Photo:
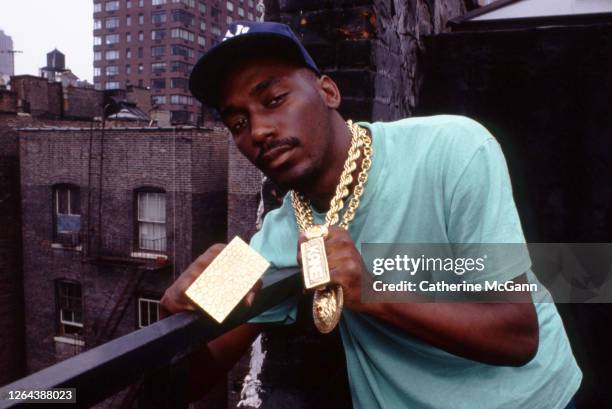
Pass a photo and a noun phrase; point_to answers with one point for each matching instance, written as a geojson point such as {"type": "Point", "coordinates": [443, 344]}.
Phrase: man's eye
{"type": "Point", "coordinates": [239, 126]}
{"type": "Point", "coordinates": [276, 100]}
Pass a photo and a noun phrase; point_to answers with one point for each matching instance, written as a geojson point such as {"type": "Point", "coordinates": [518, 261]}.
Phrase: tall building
{"type": "Point", "coordinates": [155, 43]}
{"type": "Point", "coordinates": [7, 62]}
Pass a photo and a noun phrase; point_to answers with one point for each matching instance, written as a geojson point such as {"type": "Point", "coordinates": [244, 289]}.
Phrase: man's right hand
{"type": "Point", "coordinates": [175, 300]}
{"type": "Point", "coordinates": [209, 363]}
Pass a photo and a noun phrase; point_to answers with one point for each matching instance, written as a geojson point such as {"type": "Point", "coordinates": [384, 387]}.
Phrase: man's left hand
{"type": "Point", "coordinates": [346, 267]}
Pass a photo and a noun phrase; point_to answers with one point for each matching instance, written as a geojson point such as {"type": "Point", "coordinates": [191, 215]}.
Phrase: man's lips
{"type": "Point", "coordinates": [276, 155]}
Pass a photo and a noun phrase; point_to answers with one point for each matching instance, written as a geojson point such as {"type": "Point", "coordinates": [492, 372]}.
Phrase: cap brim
{"type": "Point", "coordinates": [207, 75]}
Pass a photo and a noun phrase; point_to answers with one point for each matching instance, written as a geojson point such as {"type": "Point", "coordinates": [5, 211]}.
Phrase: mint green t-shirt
{"type": "Point", "coordinates": [440, 179]}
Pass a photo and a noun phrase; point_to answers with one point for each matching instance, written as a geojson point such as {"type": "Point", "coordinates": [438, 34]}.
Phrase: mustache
{"type": "Point", "coordinates": [291, 141]}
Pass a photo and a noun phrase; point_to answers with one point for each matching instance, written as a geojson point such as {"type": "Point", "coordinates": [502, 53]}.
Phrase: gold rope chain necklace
{"type": "Point", "coordinates": [328, 300]}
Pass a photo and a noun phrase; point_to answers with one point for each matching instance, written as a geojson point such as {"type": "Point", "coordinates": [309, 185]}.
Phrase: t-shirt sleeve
{"type": "Point", "coordinates": [277, 243]}
{"type": "Point", "coordinates": [482, 220]}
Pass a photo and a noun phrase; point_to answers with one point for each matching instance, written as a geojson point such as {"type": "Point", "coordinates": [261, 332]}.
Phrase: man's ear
{"type": "Point", "coordinates": [329, 91]}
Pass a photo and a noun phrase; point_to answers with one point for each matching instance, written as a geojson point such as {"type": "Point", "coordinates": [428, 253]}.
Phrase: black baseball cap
{"type": "Point", "coordinates": [245, 39]}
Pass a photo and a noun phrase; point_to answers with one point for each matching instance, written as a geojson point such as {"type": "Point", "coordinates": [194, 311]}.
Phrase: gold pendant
{"type": "Point", "coordinates": [327, 308]}
{"type": "Point", "coordinates": [327, 300]}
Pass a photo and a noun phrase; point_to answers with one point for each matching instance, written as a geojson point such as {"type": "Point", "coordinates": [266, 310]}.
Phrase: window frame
{"type": "Point", "coordinates": [62, 292]}
{"type": "Point", "coordinates": [139, 248]}
{"type": "Point", "coordinates": [148, 300]}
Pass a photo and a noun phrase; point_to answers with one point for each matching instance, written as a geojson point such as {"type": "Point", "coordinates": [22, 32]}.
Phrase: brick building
{"type": "Point", "coordinates": [110, 218]}
{"type": "Point", "coordinates": [155, 43]}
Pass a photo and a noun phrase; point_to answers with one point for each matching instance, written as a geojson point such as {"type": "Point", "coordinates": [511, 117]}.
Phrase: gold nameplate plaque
{"type": "Point", "coordinates": [314, 263]}
{"type": "Point", "coordinates": [229, 277]}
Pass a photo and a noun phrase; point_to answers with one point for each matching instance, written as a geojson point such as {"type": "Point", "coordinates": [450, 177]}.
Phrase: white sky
{"type": "Point", "coordinates": [39, 26]}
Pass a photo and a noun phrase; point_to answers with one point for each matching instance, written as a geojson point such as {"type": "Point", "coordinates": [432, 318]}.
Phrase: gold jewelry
{"type": "Point", "coordinates": [328, 300]}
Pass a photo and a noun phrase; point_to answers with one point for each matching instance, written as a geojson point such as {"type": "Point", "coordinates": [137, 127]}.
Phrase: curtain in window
{"type": "Point", "coordinates": [152, 221]}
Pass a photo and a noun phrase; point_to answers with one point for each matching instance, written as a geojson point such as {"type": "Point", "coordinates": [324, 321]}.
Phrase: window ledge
{"type": "Point", "coordinates": [61, 246]}
{"type": "Point", "coordinates": [150, 256]}
{"type": "Point", "coordinates": [68, 340]}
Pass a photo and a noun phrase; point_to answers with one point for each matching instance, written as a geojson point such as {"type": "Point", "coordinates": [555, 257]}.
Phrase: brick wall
{"type": "Point", "coordinates": [12, 355]}
{"type": "Point", "coordinates": [11, 289]}
{"type": "Point", "coordinates": [244, 185]}
{"type": "Point", "coordinates": [82, 102]}
{"type": "Point", "coordinates": [8, 101]}
{"type": "Point", "coordinates": [37, 96]}
{"type": "Point", "coordinates": [370, 48]}
{"type": "Point", "coordinates": [189, 164]}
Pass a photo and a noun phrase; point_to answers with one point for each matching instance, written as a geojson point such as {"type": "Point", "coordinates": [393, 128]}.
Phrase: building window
{"type": "Point", "coordinates": [158, 67]}
{"type": "Point", "coordinates": [182, 33]}
{"type": "Point", "coordinates": [181, 100]}
{"type": "Point", "coordinates": [97, 40]}
{"type": "Point", "coordinates": [229, 19]}
{"type": "Point", "coordinates": [201, 41]}
{"type": "Point", "coordinates": [158, 34]}
{"type": "Point", "coordinates": [230, 6]}
{"type": "Point", "coordinates": [158, 99]}
{"type": "Point", "coordinates": [190, 3]}
{"type": "Point", "coordinates": [140, 52]}
{"type": "Point", "coordinates": [97, 86]}
{"type": "Point", "coordinates": [158, 17]}
{"type": "Point", "coordinates": [180, 66]}
{"type": "Point", "coordinates": [128, 4]}
{"type": "Point", "coordinates": [250, 15]}
{"type": "Point", "coordinates": [251, 4]}
{"type": "Point", "coordinates": [69, 308]}
{"type": "Point", "coordinates": [158, 51]}
{"type": "Point", "coordinates": [240, 11]}
{"type": "Point", "coordinates": [128, 37]}
{"type": "Point", "coordinates": [67, 215]}
{"type": "Point", "coordinates": [182, 50]}
{"type": "Point", "coordinates": [112, 70]}
{"type": "Point", "coordinates": [97, 72]}
{"type": "Point", "coordinates": [97, 24]}
{"type": "Point", "coordinates": [111, 55]}
{"type": "Point", "coordinates": [128, 21]}
{"type": "Point", "coordinates": [140, 36]}
{"type": "Point", "coordinates": [202, 26]}
{"type": "Point", "coordinates": [112, 22]}
{"type": "Point", "coordinates": [216, 30]}
{"type": "Point", "coordinates": [97, 7]}
{"type": "Point", "coordinates": [182, 16]}
{"type": "Point", "coordinates": [179, 83]}
{"type": "Point", "coordinates": [202, 7]}
{"type": "Point", "coordinates": [97, 55]}
{"type": "Point", "coordinates": [159, 2]}
{"type": "Point", "coordinates": [112, 39]}
{"type": "Point", "coordinates": [152, 221]}
{"type": "Point", "coordinates": [128, 69]}
{"type": "Point", "coordinates": [128, 53]}
{"type": "Point", "coordinates": [148, 311]}
{"type": "Point", "coordinates": [158, 83]}
{"type": "Point", "coordinates": [112, 85]}
{"type": "Point", "coordinates": [140, 68]}
{"type": "Point", "coordinates": [111, 6]}
{"type": "Point", "coordinates": [141, 19]}
{"type": "Point", "coordinates": [140, 3]}
{"type": "Point", "coordinates": [181, 117]}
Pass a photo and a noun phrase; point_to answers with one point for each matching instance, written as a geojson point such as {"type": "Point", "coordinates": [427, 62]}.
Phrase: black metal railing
{"type": "Point", "coordinates": [156, 354]}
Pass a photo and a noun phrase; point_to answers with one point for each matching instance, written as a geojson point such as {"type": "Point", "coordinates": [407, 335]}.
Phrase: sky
{"type": "Point", "coordinates": [39, 26]}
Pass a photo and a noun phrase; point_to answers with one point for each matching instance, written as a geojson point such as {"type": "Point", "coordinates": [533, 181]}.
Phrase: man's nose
{"type": "Point", "coordinates": [262, 128]}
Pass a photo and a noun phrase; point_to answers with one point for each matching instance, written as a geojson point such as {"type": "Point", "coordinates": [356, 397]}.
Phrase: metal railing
{"type": "Point", "coordinates": [156, 354]}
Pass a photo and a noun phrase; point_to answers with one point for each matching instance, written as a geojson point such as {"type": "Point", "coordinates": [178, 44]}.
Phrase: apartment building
{"type": "Point", "coordinates": [155, 43]}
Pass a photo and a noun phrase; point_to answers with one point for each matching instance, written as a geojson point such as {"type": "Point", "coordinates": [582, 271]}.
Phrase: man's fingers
{"type": "Point", "coordinates": [250, 297]}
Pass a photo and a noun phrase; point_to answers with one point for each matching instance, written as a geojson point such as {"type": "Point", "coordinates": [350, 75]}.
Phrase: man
{"type": "Point", "coordinates": [431, 180]}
